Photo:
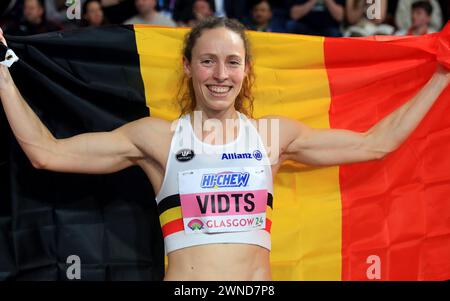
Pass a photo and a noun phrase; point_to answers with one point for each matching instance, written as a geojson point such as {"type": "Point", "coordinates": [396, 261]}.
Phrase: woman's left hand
{"type": "Point", "coordinates": [443, 73]}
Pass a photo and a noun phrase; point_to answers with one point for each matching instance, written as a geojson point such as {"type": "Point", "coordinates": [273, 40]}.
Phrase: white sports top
{"type": "Point", "coordinates": [216, 193]}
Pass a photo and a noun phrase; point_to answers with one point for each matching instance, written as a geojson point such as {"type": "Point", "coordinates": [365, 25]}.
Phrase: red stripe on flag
{"type": "Point", "coordinates": [268, 225]}
{"type": "Point", "coordinates": [397, 208]}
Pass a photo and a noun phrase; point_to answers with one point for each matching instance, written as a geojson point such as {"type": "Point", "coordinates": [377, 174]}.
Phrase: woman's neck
{"type": "Point", "coordinates": [222, 116]}
{"type": "Point", "coordinates": [223, 125]}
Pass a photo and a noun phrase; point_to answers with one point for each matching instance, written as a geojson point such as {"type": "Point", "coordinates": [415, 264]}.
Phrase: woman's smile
{"type": "Point", "coordinates": [219, 91]}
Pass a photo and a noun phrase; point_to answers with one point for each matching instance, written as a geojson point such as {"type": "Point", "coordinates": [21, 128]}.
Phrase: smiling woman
{"type": "Point", "coordinates": [214, 199]}
{"type": "Point", "coordinates": [238, 65]}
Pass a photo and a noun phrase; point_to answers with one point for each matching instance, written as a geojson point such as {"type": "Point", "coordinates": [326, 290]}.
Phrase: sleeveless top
{"type": "Point", "coordinates": [216, 193]}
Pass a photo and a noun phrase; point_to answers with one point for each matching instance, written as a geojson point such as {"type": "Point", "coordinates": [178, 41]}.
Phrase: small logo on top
{"type": "Point", "coordinates": [225, 179]}
{"type": "Point", "coordinates": [185, 155]}
{"type": "Point", "coordinates": [195, 224]}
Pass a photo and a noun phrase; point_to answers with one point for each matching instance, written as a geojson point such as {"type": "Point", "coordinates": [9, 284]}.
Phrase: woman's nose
{"type": "Point", "coordinates": [220, 72]}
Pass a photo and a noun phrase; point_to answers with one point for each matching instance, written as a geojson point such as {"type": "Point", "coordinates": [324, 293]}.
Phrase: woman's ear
{"type": "Point", "coordinates": [186, 67]}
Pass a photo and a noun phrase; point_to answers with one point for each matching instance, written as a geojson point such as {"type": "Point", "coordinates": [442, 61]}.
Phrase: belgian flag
{"type": "Point", "coordinates": [387, 219]}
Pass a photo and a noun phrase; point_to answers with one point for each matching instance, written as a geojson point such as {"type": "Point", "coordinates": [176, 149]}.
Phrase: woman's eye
{"type": "Point", "coordinates": [234, 64]}
{"type": "Point", "coordinates": [207, 62]}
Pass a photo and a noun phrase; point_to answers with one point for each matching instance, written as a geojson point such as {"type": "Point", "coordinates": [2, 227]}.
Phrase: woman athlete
{"type": "Point", "coordinates": [213, 194]}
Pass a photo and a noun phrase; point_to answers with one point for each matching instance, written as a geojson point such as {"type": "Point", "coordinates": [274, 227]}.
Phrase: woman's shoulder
{"type": "Point", "coordinates": [154, 126]}
{"type": "Point", "coordinates": [272, 118]}
{"type": "Point", "coordinates": [282, 125]}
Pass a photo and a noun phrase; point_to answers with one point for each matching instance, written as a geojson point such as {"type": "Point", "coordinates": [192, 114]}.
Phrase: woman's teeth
{"type": "Point", "coordinates": [219, 89]}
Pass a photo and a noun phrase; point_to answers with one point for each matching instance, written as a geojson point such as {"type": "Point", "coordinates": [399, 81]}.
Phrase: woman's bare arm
{"type": "Point", "coordinates": [103, 152]}
{"type": "Point", "coordinates": [339, 146]}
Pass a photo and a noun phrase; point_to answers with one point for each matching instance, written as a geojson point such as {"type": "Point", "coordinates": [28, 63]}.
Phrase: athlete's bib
{"type": "Point", "coordinates": [218, 200]}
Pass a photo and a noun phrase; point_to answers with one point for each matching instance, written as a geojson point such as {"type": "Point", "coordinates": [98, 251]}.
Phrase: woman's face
{"type": "Point", "coordinates": [217, 69]}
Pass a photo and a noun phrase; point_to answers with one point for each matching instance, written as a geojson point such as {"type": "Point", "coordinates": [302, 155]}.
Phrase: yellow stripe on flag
{"type": "Point", "coordinates": [306, 231]}
{"type": "Point", "coordinates": [161, 66]}
{"type": "Point", "coordinates": [291, 80]}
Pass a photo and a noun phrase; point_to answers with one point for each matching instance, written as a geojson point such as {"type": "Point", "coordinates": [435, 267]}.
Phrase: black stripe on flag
{"type": "Point", "coordinates": [77, 81]}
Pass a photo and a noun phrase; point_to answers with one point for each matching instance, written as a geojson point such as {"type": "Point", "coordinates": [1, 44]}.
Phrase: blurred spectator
{"type": "Point", "coordinates": [93, 13]}
{"type": "Point", "coordinates": [56, 12]}
{"type": "Point", "coordinates": [421, 13]}
{"type": "Point", "coordinates": [106, 3]}
{"type": "Point", "coordinates": [166, 7]}
{"type": "Point", "coordinates": [147, 14]}
{"type": "Point", "coordinates": [33, 20]}
{"type": "Point", "coordinates": [118, 11]}
{"type": "Point", "coordinates": [201, 10]}
{"type": "Point", "coordinates": [183, 11]}
{"type": "Point", "coordinates": [233, 9]}
{"type": "Point", "coordinates": [403, 15]}
{"type": "Point", "coordinates": [316, 17]}
{"type": "Point", "coordinates": [261, 18]}
{"type": "Point", "coordinates": [364, 25]}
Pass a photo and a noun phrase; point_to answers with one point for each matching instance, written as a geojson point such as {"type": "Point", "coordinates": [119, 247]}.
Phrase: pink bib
{"type": "Point", "coordinates": [218, 200]}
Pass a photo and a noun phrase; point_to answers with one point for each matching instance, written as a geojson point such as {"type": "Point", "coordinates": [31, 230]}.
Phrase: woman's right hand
{"type": "Point", "coordinates": [5, 77]}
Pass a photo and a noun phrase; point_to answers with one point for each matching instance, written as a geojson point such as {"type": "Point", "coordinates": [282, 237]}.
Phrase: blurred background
{"type": "Point", "coordinates": [333, 18]}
